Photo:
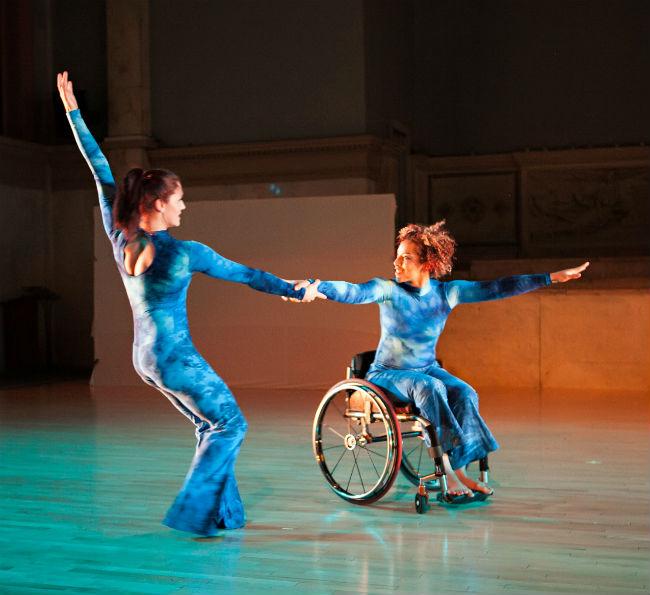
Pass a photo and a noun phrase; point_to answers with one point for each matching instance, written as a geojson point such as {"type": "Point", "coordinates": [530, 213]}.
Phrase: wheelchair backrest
{"type": "Point", "coordinates": [360, 364]}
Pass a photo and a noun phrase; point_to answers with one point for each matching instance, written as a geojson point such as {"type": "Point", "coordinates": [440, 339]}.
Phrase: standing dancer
{"type": "Point", "coordinates": [156, 270]}
{"type": "Point", "coordinates": [413, 309]}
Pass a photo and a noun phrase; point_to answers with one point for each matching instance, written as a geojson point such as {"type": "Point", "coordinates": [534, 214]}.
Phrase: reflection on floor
{"type": "Point", "coordinates": [86, 478]}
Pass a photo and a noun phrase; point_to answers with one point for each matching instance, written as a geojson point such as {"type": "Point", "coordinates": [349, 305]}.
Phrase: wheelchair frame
{"type": "Point", "coordinates": [353, 418]}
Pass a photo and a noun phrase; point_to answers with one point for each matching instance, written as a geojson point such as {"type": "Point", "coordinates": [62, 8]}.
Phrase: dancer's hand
{"type": "Point", "coordinates": [569, 274]}
{"type": "Point", "coordinates": [66, 92]}
{"type": "Point", "coordinates": [311, 291]}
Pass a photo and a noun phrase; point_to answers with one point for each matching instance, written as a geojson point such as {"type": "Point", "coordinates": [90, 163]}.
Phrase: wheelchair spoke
{"type": "Point", "coordinates": [410, 452]}
{"type": "Point", "coordinates": [377, 454]}
{"type": "Point", "coordinates": [337, 462]}
{"type": "Point", "coordinates": [356, 464]}
{"type": "Point", "coordinates": [415, 458]}
{"type": "Point", "coordinates": [372, 462]}
{"type": "Point", "coordinates": [347, 487]}
{"type": "Point", "coordinates": [331, 429]}
{"type": "Point", "coordinates": [419, 460]}
{"type": "Point", "coordinates": [331, 447]}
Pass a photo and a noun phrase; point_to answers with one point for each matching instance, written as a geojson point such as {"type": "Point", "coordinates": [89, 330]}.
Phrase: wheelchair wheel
{"type": "Point", "coordinates": [416, 460]}
{"type": "Point", "coordinates": [356, 441]}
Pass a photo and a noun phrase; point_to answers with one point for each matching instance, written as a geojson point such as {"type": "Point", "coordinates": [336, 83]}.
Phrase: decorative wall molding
{"type": "Point", "coordinates": [362, 156]}
{"type": "Point", "coordinates": [536, 203]}
{"type": "Point", "coordinates": [591, 202]}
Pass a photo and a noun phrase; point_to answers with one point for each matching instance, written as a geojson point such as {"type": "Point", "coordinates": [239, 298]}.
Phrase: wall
{"type": "Point", "coordinates": [245, 71]}
{"type": "Point", "coordinates": [250, 338]}
{"type": "Point", "coordinates": [561, 338]}
{"type": "Point", "coordinates": [24, 229]}
{"type": "Point", "coordinates": [506, 75]}
{"type": "Point", "coordinates": [583, 203]}
{"type": "Point", "coordinates": [464, 77]}
{"type": "Point", "coordinates": [78, 45]}
{"type": "Point", "coordinates": [389, 66]}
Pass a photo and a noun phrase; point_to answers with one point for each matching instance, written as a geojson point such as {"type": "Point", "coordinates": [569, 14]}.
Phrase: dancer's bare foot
{"type": "Point", "coordinates": [475, 486]}
{"type": "Point", "coordinates": [455, 486]}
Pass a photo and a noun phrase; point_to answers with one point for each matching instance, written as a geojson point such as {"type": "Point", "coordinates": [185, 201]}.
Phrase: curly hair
{"type": "Point", "coordinates": [435, 246]}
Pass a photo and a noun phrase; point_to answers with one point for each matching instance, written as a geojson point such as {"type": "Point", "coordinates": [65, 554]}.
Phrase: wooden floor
{"type": "Point", "coordinates": [86, 477]}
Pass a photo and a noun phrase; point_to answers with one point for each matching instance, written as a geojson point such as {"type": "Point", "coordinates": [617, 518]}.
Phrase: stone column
{"type": "Point", "coordinates": [129, 105]}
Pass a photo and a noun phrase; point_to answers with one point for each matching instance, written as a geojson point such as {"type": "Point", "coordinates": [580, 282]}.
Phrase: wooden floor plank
{"type": "Point", "coordinates": [86, 477]}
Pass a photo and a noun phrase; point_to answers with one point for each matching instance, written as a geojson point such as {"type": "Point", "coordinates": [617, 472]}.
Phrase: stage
{"type": "Point", "coordinates": [87, 475]}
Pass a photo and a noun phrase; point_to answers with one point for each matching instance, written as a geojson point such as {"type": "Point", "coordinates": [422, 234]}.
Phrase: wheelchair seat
{"type": "Point", "coordinates": [358, 368]}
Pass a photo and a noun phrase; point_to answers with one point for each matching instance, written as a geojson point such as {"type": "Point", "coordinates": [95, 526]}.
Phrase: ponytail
{"type": "Point", "coordinates": [137, 193]}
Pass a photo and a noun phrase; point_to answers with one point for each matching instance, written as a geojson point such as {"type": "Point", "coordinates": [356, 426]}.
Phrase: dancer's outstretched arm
{"type": "Point", "coordinates": [204, 259]}
{"type": "Point", "coordinates": [90, 150]}
{"type": "Point", "coordinates": [465, 292]}
{"type": "Point", "coordinates": [373, 291]}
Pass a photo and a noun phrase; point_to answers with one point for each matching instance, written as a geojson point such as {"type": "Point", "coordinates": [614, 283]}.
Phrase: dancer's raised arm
{"type": "Point", "coordinates": [90, 150]}
{"type": "Point", "coordinates": [466, 292]}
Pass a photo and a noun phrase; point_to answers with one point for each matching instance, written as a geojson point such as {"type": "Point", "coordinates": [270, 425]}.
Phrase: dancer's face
{"type": "Point", "coordinates": [407, 265]}
{"type": "Point", "coordinates": [173, 207]}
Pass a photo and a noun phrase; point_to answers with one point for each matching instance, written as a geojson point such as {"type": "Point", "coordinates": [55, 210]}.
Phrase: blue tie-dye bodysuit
{"type": "Point", "coordinates": [164, 356]}
{"type": "Point", "coordinates": [412, 320]}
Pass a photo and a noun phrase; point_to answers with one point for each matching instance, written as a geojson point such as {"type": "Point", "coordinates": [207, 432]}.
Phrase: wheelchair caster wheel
{"type": "Point", "coordinates": [421, 503]}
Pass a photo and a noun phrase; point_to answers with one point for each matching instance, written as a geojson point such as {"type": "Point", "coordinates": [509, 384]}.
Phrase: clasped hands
{"type": "Point", "coordinates": [311, 290]}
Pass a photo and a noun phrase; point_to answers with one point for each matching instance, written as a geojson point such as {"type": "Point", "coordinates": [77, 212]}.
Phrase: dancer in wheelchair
{"type": "Point", "coordinates": [413, 308]}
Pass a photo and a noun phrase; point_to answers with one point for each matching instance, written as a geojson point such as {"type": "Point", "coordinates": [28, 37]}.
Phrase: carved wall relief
{"type": "Point", "coordinates": [479, 209]}
{"type": "Point", "coordinates": [591, 209]}
{"type": "Point", "coordinates": [577, 202]}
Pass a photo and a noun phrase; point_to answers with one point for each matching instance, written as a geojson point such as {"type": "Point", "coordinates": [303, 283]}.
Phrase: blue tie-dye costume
{"type": "Point", "coordinates": [412, 320]}
{"type": "Point", "coordinates": [164, 356]}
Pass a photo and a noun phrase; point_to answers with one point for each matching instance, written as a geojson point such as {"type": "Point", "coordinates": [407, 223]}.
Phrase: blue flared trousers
{"type": "Point", "coordinates": [450, 404]}
{"type": "Point", "coordinates": [209, 499]}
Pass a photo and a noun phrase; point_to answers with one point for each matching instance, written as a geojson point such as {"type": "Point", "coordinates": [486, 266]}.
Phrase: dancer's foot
{"type": "Point", "coordinates": [478, 488]}
{"type": "Point", "coordinates": [455, 487]}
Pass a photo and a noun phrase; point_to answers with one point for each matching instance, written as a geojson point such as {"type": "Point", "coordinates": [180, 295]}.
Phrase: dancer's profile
{"type": "Point", "coordinates": [156, 270]}
{"type": "Point", "coordinates": [414, 307]}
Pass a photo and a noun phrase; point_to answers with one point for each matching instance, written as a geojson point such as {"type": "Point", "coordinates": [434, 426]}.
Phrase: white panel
{"type": "Point", "coordinates": [252, 339]}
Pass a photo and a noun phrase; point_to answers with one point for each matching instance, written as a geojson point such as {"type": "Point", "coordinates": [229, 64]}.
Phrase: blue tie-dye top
{"type": "Point", "coordinates": [158, 296]}
{"type": "Point", "coordinates": [412, 318]}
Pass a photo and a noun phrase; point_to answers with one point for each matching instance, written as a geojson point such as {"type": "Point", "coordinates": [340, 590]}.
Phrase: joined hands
{"type": "Point", "coordinates": [311, 291]}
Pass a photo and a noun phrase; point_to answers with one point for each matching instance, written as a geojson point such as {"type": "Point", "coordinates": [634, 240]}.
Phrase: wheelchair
{"type": "Point", "coordinates": [363, 437]}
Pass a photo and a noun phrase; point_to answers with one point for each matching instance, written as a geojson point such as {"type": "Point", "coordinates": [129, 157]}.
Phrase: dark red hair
{"type": "Point", "coordinates": [435, 246]}
{"type": "Point", "coordinates": [138, 192]}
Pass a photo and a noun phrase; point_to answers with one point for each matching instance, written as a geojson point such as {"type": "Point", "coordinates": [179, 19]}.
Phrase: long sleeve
{"type": "Point", "coordinates": [204, 259]}
{"type": "Point", "coordinates": [98, 166]}
{"type": "Point", "coordinates": [375, 290]}
{"type": "Point", "coordinates": [465, 292]}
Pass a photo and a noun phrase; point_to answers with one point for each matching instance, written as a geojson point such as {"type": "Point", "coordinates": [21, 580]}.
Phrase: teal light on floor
{"type": "Point", "coordinates": [85, 480]}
